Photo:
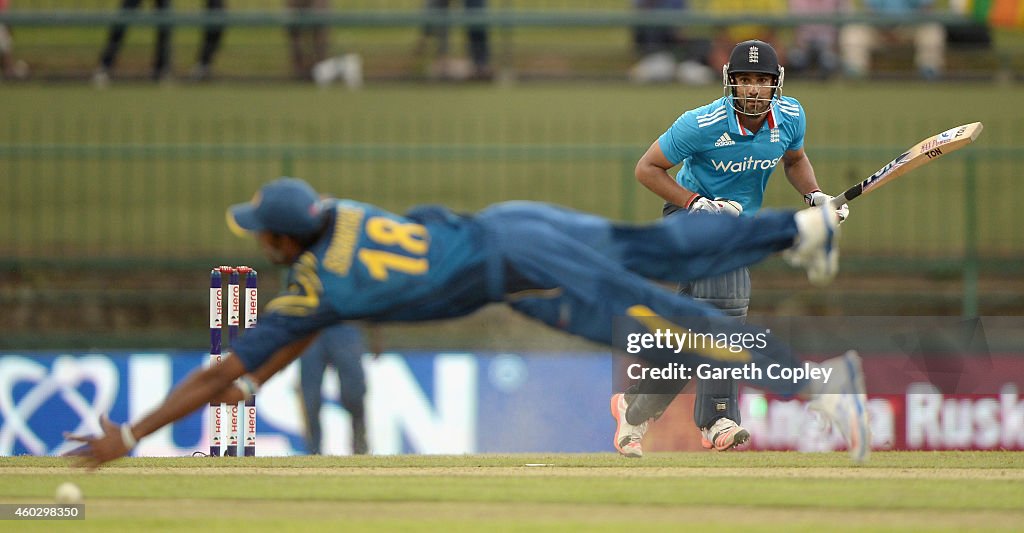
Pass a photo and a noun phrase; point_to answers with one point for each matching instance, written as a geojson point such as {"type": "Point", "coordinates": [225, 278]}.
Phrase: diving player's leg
{"type": "Point", "coordinates": [687, 247]}
{"type": "Point", "coordinates": [540, 257]}
{"type": "Point", "coordinates": [694, 246]}
{"type": "Point", "coordinates": [601, 301]}
{"type": "Point", "coordinates": [596, 300]}
{"type": "Point", "coordinates": [598, 296]}
{"type": "Point", "coordinates": [631, 304]}
{"type": "Point", "coordinates": [680, 248]}
{"type": "Point", "coordinates": [566, 285]}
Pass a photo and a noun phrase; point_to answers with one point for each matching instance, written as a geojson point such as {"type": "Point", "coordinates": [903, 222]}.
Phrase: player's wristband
{"type": "Point", "coordinates": [248, 386]}
{"type": "Point", "coordinates": [127, 437]}
{"type": "Point", "coordinates": [690, 201]}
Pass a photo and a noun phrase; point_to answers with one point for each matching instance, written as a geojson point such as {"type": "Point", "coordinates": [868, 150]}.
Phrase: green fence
{"type": "Point", "coordinates": [145, 174]}
{"type": "Point", "coordinates": [164, 202]}
{"type": "Point", "coordinates": [112, 202]}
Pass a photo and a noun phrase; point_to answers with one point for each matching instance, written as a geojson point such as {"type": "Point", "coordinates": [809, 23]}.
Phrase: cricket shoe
{"type": "Point", "coordinates": [627, 436]}
{"type": "Point", "coordinates": [843, 402]}
{"type": "Point", "coordinates": [723, 435]}
{"type": "Point", "coordinates": [816, 246]}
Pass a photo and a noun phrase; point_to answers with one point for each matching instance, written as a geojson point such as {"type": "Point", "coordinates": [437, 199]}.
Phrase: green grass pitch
{"type": "Point", "coordinates": [751, 491]}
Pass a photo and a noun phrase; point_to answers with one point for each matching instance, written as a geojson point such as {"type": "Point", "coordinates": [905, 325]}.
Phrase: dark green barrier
{"type": "Point", "coordinates": [112, 202]}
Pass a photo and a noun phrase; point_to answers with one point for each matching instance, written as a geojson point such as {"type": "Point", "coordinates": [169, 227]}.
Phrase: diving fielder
{"type": "Point", "coordinates": [351, 260]}
{"type": "Point", "coordinates": [728, 150]}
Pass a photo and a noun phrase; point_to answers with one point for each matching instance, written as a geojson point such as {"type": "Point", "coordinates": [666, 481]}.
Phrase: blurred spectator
{"type": "Point", "coordinates": [348, 68]}
{"type": "Point", "coordinates": [309, 44]}
{"type": "Point", "coordinates": [477, 42]}
{"type": "Point", "coordinates": [660, 48]}
{"type": "Point", "coordinates": [727, 37]}
{"type": "Point", "coordinates": [815, 45]}
{"type": "Point", "coordinates": [653, 39]}
{"type": "Point", "coordinates": [161, 54]}
{"type": "Point", "coordinates": [9, 67]}
{"type": "Point", "coordinates": [342, 347]}
{"type": "Point", "coordinates": [857, 41]}
{"type": "Point", "coordinates": [311, 55]}
{"type": "Point", "coordinates": [211, 43]}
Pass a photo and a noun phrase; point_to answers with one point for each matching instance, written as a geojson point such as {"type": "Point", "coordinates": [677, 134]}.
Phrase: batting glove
{"type": "Point", "coordinates": [816, 198]}
{"type": "Point", "coordinates": [718, 205]}
{"type": "Point", "coordinates": [728, 207]}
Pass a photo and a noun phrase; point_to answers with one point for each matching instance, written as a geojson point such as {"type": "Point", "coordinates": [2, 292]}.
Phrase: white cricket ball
{"type": "Point", "coordinates": [68, 492]}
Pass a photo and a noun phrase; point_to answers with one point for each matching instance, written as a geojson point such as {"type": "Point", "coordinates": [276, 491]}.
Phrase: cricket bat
{"type": "Point", "coordinates": [923, 152]}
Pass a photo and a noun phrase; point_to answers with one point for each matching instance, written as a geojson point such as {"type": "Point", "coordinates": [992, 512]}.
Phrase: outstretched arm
{"type": "Point", "coordinates": [198, 389]}
{"type": "Point", "coordinates": [215, 382]}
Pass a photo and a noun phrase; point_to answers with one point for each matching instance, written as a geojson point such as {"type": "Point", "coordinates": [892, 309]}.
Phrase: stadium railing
{"type": "Point", "coordinates": [495, 18]}
{"type": "Point", "coordinates": [509, 48]}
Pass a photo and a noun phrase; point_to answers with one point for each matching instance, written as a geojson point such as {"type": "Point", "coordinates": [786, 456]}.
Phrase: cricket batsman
{"type": "Point", "coordinates": [728, 149]}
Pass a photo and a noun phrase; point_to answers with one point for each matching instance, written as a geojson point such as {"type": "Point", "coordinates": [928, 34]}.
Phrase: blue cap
{"type": "Point", "coordinates": [287, 206]}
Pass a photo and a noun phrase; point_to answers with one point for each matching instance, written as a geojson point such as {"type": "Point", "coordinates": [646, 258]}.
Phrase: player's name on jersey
{"type": "Point", "coordinates": [749, 371]}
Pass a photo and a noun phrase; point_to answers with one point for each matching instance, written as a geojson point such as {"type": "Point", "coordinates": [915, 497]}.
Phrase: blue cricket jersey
{"type": "Point", "coordinates": [722, 159]}
{"type": "Point", "coordinates": [373, 264]}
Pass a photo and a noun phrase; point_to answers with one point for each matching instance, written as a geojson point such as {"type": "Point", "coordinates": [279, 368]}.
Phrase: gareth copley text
{"type": "Point", "coordinates": [749, 371]}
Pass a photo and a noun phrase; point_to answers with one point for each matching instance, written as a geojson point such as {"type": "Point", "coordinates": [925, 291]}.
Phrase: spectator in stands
{"type": "Point", "coordinates": [652, 39]}
{"type": "Point", "coordinates": [659, 48]}
{"type": "Point", "coordinates": [342, 347]}
{"type": "Point", "coordinates": [161, 54]}
{"type": "Point", "coordinates": [477, 42]}
{"type": "Point", "coordinates": [309, 44]}
{"type": "Point", "coordinates": [857, 41]}
{"type": "Point", "coordinates": [815, 45]}
{"type": "Point", "coordinates": [211, 43]}
{"type": "Point", "coordinates": [727, 37]}
{"type": "Point", "coordinates": [9, 67]}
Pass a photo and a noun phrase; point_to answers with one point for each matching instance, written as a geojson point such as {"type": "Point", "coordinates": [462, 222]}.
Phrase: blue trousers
{"type": "Point", "coordinates": [588, 276]}
{"type": "Point", "coordinates": [342, 347]}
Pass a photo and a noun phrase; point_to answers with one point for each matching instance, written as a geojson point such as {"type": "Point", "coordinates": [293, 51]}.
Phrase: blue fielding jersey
{"type": "Point", "coordinates": [722, 159]}
{"type": "Point", "coordinates": [373, 264]}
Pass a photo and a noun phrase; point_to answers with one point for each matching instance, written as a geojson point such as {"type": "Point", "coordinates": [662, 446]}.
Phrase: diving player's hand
{"type": "Point", "coordinates": [817, 198]}
{"type": "Point", "coordinates": [718, 205]}
{"type": "Point", "coordinates": [115, 442]}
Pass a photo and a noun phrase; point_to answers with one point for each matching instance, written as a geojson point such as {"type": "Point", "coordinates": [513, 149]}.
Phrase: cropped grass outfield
{"type": "Point", "coordinates": [762, 491]}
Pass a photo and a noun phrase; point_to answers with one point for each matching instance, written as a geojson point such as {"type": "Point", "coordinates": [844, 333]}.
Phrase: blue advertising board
{"type": "Point", "coordinates": [418, 402]}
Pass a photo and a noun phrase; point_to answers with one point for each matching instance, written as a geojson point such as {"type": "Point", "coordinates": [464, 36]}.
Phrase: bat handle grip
{"type": "Point", "coordinates": [838, 201]}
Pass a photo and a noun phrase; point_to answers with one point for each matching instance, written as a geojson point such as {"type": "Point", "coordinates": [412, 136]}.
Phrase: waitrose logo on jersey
{"type": "Point", "coordinates": [744, 165]}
